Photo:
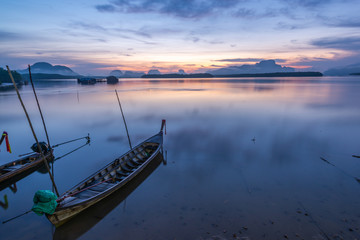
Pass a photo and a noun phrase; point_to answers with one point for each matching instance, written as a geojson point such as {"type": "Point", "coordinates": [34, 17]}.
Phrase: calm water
{"type": "Point", "coordinates": [243, 158]}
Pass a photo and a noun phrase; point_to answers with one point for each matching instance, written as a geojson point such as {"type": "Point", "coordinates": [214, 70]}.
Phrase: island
{"type": "Point", "coordinates": [176, 75]}
{"type": "Point", "coordinates": [243, 75]}
{"type": "Point", "coordinates": [276, 74]}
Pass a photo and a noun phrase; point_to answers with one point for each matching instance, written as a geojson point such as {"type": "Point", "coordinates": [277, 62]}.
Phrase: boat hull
{"type": "Point", "coordinates": [10, 171]}
{"type": "Point", "coordinates": [64, 214]}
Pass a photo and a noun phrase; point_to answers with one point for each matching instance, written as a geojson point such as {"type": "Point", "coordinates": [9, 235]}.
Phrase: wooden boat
{"type": "Point", "coordinates": [107, 180]}
{"type": "Point", "coordinates": [13, 169]}
{"type": "Point", "coordinates": [84, 221]}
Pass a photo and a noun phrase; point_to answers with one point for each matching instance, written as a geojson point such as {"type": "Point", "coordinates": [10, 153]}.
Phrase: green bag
{"type": "Point", "coordinates": [44, 202]}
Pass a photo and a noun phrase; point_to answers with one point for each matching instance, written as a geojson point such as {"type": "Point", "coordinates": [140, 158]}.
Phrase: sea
{"type": "Point", "coordinates": [243, 158]}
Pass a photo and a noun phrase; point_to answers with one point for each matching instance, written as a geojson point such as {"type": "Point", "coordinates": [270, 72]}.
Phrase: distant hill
{"type": "Point", "coordinates": [177, 75]}
{"type": "Point", "coordinates": [278, 74]}
{"type": "Point", "coordinates": [47, 68]}
{"type": "Point", "coordinates": [5, 78]}
{"type": "Point", "coordinates": [266, 66]}
{"type": "Point", "coordinates": [131, 74]}
{"type": "Point", "coordinates": [38, 76]}
{"type": "Point", "coordinates": [355, 73]}
{"type": "Point", "coordinates": [126, 74]}
{"type": "Point", "coordinates": [343, 71]}
{"type": "Point", "coordinates": [116, 73]}
{"type": "Point", "coordinates": [208, 75]}
{"type": "Point", "coordinates": [153, 72]}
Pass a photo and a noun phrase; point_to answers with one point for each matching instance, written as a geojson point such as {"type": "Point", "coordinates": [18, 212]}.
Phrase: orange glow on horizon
{"type": "Point", "coordinates": [171, 62]}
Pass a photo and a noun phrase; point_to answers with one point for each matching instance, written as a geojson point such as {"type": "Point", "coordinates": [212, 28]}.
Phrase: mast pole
{"type": "Point", "coordinates": [127, 132]}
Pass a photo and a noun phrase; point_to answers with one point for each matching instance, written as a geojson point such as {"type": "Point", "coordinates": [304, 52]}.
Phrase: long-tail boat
{"type": "Point", "coordinates": [11, 170]}
{"type": "Point", "coordinates": [107, 180]}
{"type": "Point", "coordinates": [86, 220]}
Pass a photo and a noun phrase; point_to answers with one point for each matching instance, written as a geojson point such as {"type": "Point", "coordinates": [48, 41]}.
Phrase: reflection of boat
{"type": "Point", "coordinates": [85, 220]}
{"type": "Point", "coordinates": [107, 180]}
{"type": "Point", "coordinates": [14, 171]}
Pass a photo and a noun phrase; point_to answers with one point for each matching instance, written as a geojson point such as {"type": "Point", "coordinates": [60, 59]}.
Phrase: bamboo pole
{"type": "Point", "coordinates": [33, 132]}
{"type": "Point", "coordinates": [37, 101]}
{"type": "Point", "coordinates": [127, 132]}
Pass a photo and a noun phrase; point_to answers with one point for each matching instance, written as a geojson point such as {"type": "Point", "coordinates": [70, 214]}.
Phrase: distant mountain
{"type": "Point", "coordinates": [153, 71]}
{"type": "Point", "coordinates": [276, 74]}
{"type": "Point", "coordinates": [181, 71]}
{"type": "Point", "coordinates": [47, 68]}
{"type": "Point", "coordinates": [45, 76]}
{"type": "Point", "coordinates": [116, 73]}
{"type": "Point", "coordinates": [266, 66]}
{"type": "Point", "coordinates": [347, 70]}
{"type": "Point", "coordinates": [131, 74]}
{"type": "Point", "coordinates": [177, 75]}
{"type": "Point", "coordinates": [5, 78]}
{"type": "Point", "coordinates": [126, 74]}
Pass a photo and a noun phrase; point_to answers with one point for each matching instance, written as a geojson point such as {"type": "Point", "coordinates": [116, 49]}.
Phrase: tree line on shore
{"type": "Point", "coordinates": [5, 78]}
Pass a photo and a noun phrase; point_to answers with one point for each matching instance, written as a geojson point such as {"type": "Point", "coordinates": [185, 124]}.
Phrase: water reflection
{"type": "Point", "coordinates": [40, 168]}
{"type": "Point", "coordinates": [218, 182]}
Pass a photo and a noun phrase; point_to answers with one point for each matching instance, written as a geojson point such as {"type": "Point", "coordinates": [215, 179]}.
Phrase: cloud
{"type": "Point", "coordinates": [241, 60]}
{"type": "Point", "coordinates": [6, 36]}
{"type": "Point", "coordinates": [138, 33]}
{"type": "Point", "coordinates": [87, 26]}
{"type": "Point", "coordinates": [341, 43]}
{"type": "Point", "coordinates": [183, 9]}
{"type": "Point", "coordinates": [245, 13]}
{"type": "Point", "coordinates": [309, 3]}
{"type": "Point", "coordinates": [118, 32]}
{"type": "Point", "coordinates": [342, 71]}
{"type": "Point", "coordinates": [105, 8]}
{"type": "Point", "coordinates": [258, 13]}
{"type": "Point", "coordinates": [348, 23]}
{"type": "Point", "coordinates": [287, 26]}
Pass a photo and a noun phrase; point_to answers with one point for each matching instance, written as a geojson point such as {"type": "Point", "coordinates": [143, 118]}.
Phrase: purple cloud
{"type": "Point", "coordinates": [343, 43]}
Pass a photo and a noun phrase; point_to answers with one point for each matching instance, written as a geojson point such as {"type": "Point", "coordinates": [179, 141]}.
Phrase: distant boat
{"type": "Point", "coordinates": [107, 180]}
{"type": "Point", "coordinates": [13, 169]}
{"type": "Point", "coordinates": [112, 80]}
{"type": "Point", "coordinates": [86, 80]}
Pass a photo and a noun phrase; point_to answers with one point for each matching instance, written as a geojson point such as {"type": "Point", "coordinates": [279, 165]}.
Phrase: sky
{"type": "Point", "coordinates": [98, 36]}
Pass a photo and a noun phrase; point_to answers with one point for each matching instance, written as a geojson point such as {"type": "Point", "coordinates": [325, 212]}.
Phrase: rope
{"type": "Point", "coordinates": [87, 137]}
{"type": "Point", "coordinates": [71, 151]}
{"type": "Point", "coordinates": [16, 217]}
{"type": "Point", "coordinates": [73, 194]}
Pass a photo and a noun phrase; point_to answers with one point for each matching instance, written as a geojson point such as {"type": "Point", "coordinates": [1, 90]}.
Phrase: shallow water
{"type": "Point", "coordinates": [243, 157]}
